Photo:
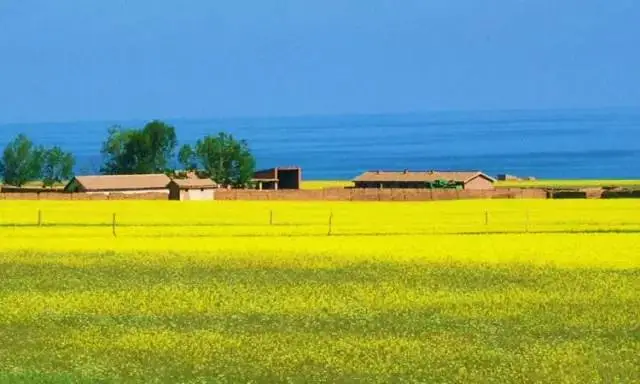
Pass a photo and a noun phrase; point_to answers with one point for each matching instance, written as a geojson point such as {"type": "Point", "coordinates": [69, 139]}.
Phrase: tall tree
{"type": "Point", "coordinates": [136, 151]}
{"type": "Point", "coordinates": [187, 158]}
{"type": "Point", "coordinates": [21, 161]}
{"type": "Point", "coordinates": [57, 166]}
{"type": "Point", "coordinates": [161, 140]}
{"type": "Point", "coordinates": [226, 160]}
{"type": "Point", "coordinates": [113, 150]}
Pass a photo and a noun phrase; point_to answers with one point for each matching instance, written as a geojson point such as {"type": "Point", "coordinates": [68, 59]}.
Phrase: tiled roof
{"type": "Point", "coordinates": [122, 182]}
{"type": "Point", "coordinates": [419, 176]}
{"type": "Point", "coordinates": [195, 183]}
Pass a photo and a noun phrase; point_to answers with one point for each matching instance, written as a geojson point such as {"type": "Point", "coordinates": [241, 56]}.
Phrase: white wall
{"type": "Point", "coordinates": [197, 194]}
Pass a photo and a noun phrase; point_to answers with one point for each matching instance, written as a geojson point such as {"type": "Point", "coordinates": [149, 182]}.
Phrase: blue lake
{"type": "Point", "coordinates": [546, 144]}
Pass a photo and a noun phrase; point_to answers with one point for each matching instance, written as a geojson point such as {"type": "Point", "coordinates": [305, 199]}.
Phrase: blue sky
{"type": "Point", "coordinates": [70, 60]}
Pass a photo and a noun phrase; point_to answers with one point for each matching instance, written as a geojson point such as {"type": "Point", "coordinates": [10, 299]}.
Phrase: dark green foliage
{"type": "Point", "coordinates": [21, 161]}
{"type": "Point", "coordinates": [161, 141]}
{"type": "Point", "coordinates": [445, 184]}
{"type": "Point", "coordinates": [57, 166]}
{"type": "Point", "coordinates": [138, 151]}
{"type": "Point", "coordinates": [187, 158]}
{"type": "Point", "coordinates": [225, 160]}
{"type": "Point", "coordinates": [113, 149]}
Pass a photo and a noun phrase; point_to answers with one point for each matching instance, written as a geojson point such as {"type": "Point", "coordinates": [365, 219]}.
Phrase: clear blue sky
{"type": "Point", "coordinates": [69, 60]}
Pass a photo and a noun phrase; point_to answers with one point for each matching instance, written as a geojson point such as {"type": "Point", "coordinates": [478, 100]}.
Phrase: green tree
{"type": "Point", "coordinates": [57, 166]}
{"type": "Point", "coordinates": [226, 160]}
{"type": "Point", "coordinates": [136, 151]}
{"type": "Point", "coordinates": [113, 150]}
{"type": "Point", "coordinates": [161, 140]}
{"type": "Point", "coordinates": [187, 158]}
{"type": "Point", "coordinates": [21, 161]}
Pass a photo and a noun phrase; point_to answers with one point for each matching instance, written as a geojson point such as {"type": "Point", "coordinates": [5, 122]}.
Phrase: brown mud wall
{"type": "Point", "coordinates": [346, 194]}
{"type": "Point", "coordinates": [81, 196]}
{"type": "Point", "coordinates": [355, 194]}
{"type": "Point", "coordinates": [621, 194]}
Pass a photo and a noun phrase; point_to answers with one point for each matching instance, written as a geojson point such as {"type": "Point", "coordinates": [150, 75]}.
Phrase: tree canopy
{"type": "Point", "coordinates": [187, 158]}
{"type": "Point", "coordinates": [138, 151]}
{"type": "Point", "coordinates": [57, 166]}
{"type": "Point", "coordinates": [22, 162]}
{"type": "Point", "coordinates": [224, 159]}
{"type": "Point", "coordinates": [151, 149]}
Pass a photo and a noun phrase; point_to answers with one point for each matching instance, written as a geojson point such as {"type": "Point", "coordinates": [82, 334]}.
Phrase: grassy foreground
{"type": "Point", "coordinates": [79, 305]}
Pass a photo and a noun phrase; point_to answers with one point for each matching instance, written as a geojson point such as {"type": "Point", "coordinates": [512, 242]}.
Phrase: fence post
{"type": "Point", "coordinates": [39, 217]}
{"type": "Point", "coordinates": [330, 223]}
{"type": "Point", "coordinates": [486, 217]}
{"type": "Point", "coordinates": [271, 217]}
{"type": "Point", "coordinates": [113, 225]}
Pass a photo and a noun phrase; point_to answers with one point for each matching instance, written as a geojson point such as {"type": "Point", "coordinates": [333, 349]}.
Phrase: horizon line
{"type": "Point", "coordinates": [321, 115]}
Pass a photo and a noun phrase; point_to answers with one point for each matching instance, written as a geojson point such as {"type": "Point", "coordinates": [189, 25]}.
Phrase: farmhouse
{"type": "Point", "coordinates": [424, 179]}
{"type": "Point", "coordinates": [278, 178]}
{"type": "Point", "coordinates": [192, 189]}
{"type": "Point", "coordinates": [125, 184]}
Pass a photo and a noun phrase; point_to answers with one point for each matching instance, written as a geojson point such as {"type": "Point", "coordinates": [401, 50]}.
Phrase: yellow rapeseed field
{"type": "Point", "coordinates": [461, 291]}
{"type": "Point", "coordinates": [321, 184]}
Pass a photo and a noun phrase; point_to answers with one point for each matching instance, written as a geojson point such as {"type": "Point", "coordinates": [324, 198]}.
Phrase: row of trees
{"type": "Point", "coordinates": [22, 162]}
{"type": "Point", "coordinates": [150, 149]}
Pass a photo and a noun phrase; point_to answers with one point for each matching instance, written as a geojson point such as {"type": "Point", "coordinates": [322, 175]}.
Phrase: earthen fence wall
{"type": "Point", "coordinates": [343, 194]}
{"type": "Point", "coordinates": [81, 196]}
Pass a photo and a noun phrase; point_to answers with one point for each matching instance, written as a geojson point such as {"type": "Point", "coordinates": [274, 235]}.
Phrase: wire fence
{"type": "Point", "coordinates": [264, 222]}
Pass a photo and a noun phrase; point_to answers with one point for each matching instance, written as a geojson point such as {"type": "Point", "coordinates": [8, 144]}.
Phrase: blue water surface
{"type": "Point", "coordinates": [546, 144]}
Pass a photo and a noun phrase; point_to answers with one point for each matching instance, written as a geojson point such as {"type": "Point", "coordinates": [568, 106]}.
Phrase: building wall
{"type": "Point", "coordinates": [362, 194]}
{"type": "Point", "coordinates": [267, 185]}
{"type": "Point", "coordinates": [479, 183]}
{"type": "Point", "coordinates": [289, 178]}
{"type": "Point", "coordinates": [366, 184]}
{"type": "Point", "coordinates": [82, 196]}
{"type": "Point", "coordinates": [129, 192]}
{"type": "Point", "coordinates": [393, 185]}
{"type": "Point", "coordinates": [333, 194]}
{"type": "Point", "coordinates": [265, 174]}
{"type": "Point", "coordinates": [197, 194]}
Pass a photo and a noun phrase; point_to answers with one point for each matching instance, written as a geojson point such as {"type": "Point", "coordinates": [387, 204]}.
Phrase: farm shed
{"type": "Point", "coordinates": [472, 180]}
{"type": "Point", "coordinates": [191, 189]}
{"type": "Point", "coordinates": [278, 178]}
{"type": "Point", "coordinates": [122, 184]}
